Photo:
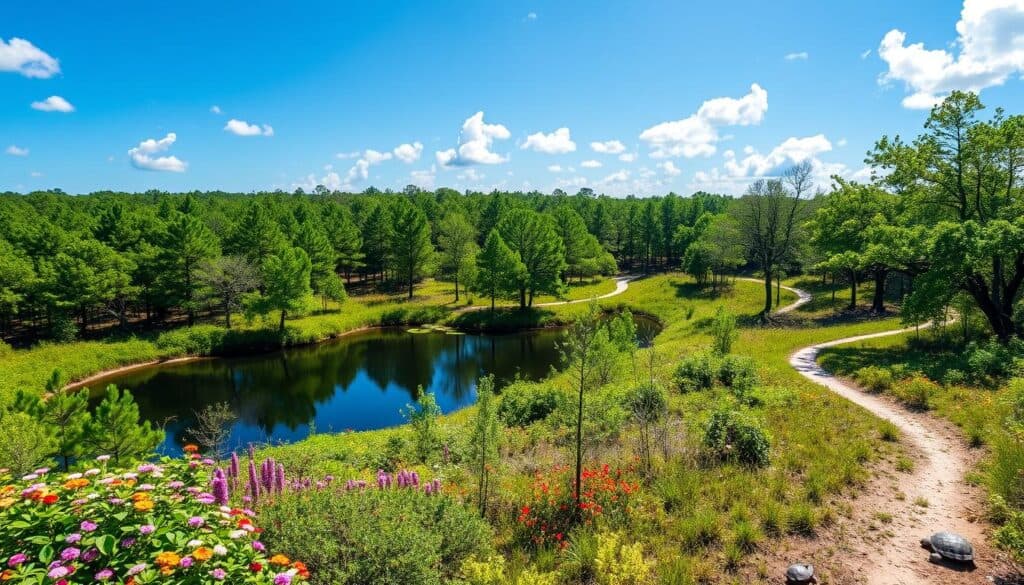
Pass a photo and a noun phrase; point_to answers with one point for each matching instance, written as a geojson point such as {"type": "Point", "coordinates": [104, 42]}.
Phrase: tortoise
{"type": "Point", "coordinates": [948, 545]}
{"type": "Point", "coordinates": [799, 574]}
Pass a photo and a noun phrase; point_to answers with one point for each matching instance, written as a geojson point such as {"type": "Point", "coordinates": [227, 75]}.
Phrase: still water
{"type": "Point", "coordinates": [358, 382]}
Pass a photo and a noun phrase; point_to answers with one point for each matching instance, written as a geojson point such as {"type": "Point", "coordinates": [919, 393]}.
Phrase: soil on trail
{"type": "Point", "coordinates": [878, 540]}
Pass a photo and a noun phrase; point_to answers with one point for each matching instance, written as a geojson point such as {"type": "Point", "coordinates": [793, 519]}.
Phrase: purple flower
{"type": "Point", "coordinates": [147, 529]}
{"type": "Point", "coordinates": [88, 526]}
{"type": "Point", "coordinates": [73, 538]}
{"type": "Point", "coordinates": [104, 574]}
{"type": "Point", "coordinates": [91, 555]}
{"type": "Point", "coordinates": [147, 468]}
{"type": "Point", "coordinates": [220, 491]}
{"type": "Point", "coordinates": [17, 559]}
{"type": "Point", "coordinates": [195, 522]}
{"type": "Point", "coordinates": [282, 579]}
{"type": "Point", "coordinates": [128, 542]}
{"type": "Point", "coordinates": [279, 479]}
{"type": "Point", "coordinates": [70, 553]}
{"type": "Point", "coordinates": [58, 572]}
{"type": "Point", "coordinates": [137, 569]}
{"type": "Point", "coordinates": [175, 485]}
{"type": "Point", "coordinates": [254, 484]}
{"type": "Point", "coordinates": [218, 574]}
{"type": "Point", "coordinates": [186, 562]}
{"type": "Point", "coordinates": [258, 546]}
{"type": "Point", "coordinates": [233, 469]}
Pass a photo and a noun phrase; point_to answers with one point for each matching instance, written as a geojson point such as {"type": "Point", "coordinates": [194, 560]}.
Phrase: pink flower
{"type": "Point", "coordinates": [88, 526]}
{"type": "Point", "coordinates": [17, 559]}
{"type": "Point", "coordinates": [195, 522]}
{"type": "Point", "coordinates": [58, 572]}
{"type": "Point", "coordinates": [147, 529]}
{"type": "Point", "coordinates": [282, 579]}
{"type": "Point", "coordinates": [104, 574]}
{"type": "Point", "coordinates": [186, 562]}
{"type": "Point", "coordinates": [73, 538]}
{"type": "Point", "coordinates": [218, 574]}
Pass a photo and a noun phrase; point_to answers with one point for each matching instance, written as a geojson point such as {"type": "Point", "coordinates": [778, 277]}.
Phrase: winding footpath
{"type": "Point", "coordinates": [621, 284]}
{"type": "Point", "coordinates": [933, 497]}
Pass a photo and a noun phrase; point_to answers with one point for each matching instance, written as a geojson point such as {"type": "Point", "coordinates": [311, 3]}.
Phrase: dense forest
{"type": "Point", "coordinates": [942, 219]}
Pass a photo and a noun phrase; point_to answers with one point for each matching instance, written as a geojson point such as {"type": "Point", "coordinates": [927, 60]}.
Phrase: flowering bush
{"type": "Point", "coordinates": [157, 523]}
{"type": "Point", "coordinates": [550, 514]}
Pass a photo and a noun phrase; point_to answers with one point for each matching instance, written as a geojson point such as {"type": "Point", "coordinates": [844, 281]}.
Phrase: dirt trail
{"type": "Point", "coordinates": [621, 284]}
{"type": "Point", "coordinates": [881, 542]}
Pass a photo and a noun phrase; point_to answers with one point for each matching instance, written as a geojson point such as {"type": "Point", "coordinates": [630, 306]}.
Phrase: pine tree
{"type": "Point", "coordinates": [312, 239]}
{"type": "Point", "coordinates": [574, 234]}
{"type": "Point", "coordinates": [498, 268]}
{"type": "Point", "coordinates": [186, 243]}
{"type": "Point", "coordinates": [256, 235]}
{"type": "Point", "coordinates": [484, 438]}
{"type": "Point", "coordinates": [287, 283]}
{"type": "Point", "coordinates": [377, 233]}
{"type": "Point", "coordinates": [346, 239]}
{"type": "Point", "coordinates": [532, 235]}
{"type": "Point", "coordinates": [115, 429]}
{"type": "Point", "coordinates": [64, 415]}
{"type": "Point", "coordinates": [457, 240]}
{"type": "Point", "coordinates": [411, 248]}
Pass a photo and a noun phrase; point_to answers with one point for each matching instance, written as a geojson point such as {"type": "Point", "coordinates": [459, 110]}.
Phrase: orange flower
{"type": "Point", "coordinates": [301, 568]}
{"type": "Point", "coordinates": [165, 571]}
{"type": "Point", "coordinates": [50, 499]}
{"type": "Point", "coordinates": [140, 496]}
{"type": "Point", "coordinates": [203, 554]}
{"type": "Point", "coordinates": [7, 575]}
{"type": "Point", "coordinates": [280, 560]}
{"type": "Point", "coordinates": [143, 506]}
{"type": "Point", "coordinates": [168, 559]}
{"type": "Point", "coordinates": [74, 484]}
{"type": "Point", "coordinates": [7, 502]}
{"type": "Point", "coordinates": [190, 448]}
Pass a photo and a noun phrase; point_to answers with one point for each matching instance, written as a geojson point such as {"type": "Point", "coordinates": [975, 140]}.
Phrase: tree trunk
{"type": "Point", "coordinates": [227, 314]}
{"type": "Point", "coordinates": [767, 296]}
{"type": "Point", "coordinates": [853, 290]}
{"type": "Point", "coordinates": [778, 289]}
{"type": "Point", "coordinates": [281, 326]}
{"type": "Point", "coordinates": [878, 302]}
{"type": "Point", "coordinates": [522, 297]}
{"type": "Point", "coordinates": [579, 444]}
{"type": "Point", "coordinates": [456, 288]}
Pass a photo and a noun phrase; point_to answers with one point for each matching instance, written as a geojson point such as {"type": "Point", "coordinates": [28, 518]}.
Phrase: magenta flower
{"type": "Point", "coordinates": [186, 562]}
{"type": "Point", "coordinates": [70, 553]}
{"type": "Point", "coordinates": [282, 579]}
{"type": "Point", "coordinates": [91, 555]}
{"type": "Point", "coordinates": [104, 574]}
{"type": "Point", "coordinates": [73, 538]}
{"type": "Point", "coordinates": [17, 559]}
{"type": "Point", "coordinates": [58, 572]}
{"type": "Point", "coordinates": [195, 522]}
{"type": "Point", "coordinates": [258, 546]}
{"type": "Point", "coordinates": [88, 526]}
{"type": "Point", "coordinates": [218, 574]}
{"type": "Point", "coordinates": [137, 569]}
{"type": "Point", "coordinates": [147, 529]}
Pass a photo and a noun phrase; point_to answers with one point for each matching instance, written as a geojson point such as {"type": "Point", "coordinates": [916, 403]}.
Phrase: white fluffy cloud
{"type": "Point", "coordinates": [21, 56]}
{"type": "Point", "coordinates": [697, 135]}
{"type": "Point", "coordinates": [408, 153]}
{"type": "Point", "coordinates": [54, 103]}
{"type": "Point", "coordinates": [616, 177]}
{"type": "Point", "coordinates": [555, 168]}
{"type": "Point", "coordinates": [591, 164]}
{"type": "Point", "coordinates": [608, 147]}
{"type": "Point", "coordinates": [557, 142]}
{"type": "Point", "coordinates": [141, 155]}
{"type": "Point", "coordinates": [243, 128]}
{"type": "Point", "coordinates": [215, 109]}
{"type": "Point", "coordinates": [990, 41]}
{"type": "Point", "coordinates": [801, 56]}
{"type": "Point", "coordinates": [424, 179]}
{"type": "Point", "coordinates": [15, 150]}
{"type": "Point", "coordinates": [669, 168]}
{"type": "Point", "coordinates": [791, 151]}
{"type": "Point", "coordinates": [361, 170]}
{"type": "Point", "coordinates": [475, 143]}
{"type": "Point", "coordinates": [627, 157]}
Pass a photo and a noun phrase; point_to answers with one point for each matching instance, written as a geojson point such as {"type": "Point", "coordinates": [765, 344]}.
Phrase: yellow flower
{"type": "Point", "coordinates": [74, 484]}
{"type": "Point", "coordinates": [7, 502]}
{"type": "Point", "coordinates": [280, 559]}
{"type": "Point", "coordinates": [143, 506]}
{"type": "Point", "coordinates": [202, 554]}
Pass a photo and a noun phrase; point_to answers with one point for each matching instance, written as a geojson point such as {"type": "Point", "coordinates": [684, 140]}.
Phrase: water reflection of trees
{"type": "Point", "coordinates": [288, 389]}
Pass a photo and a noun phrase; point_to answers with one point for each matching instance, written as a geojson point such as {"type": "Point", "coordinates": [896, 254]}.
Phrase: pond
{"type": "Point", "coordinates": [358, 382]}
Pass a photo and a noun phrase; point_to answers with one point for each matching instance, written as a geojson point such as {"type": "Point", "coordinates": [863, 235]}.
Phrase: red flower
{"type": "Point", "coordinates": [50, 499]}
{"type": "Point", "coordinates": [255, 567]}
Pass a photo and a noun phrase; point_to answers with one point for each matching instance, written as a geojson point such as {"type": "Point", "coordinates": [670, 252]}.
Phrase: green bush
{"type": "Point", "coordinates": [696, 372]}
{"type": "Point", "coordinates": [1004, 471]}
{"type": "Point", "coordinates": [385, 537]}
{"type": "Point", "coordinates": [738, 373]}
{"type": "Point", "coordinates": [522, 404]}
{"type": "Point", "coordinates": [915, 392]}
{"type": "Point", "coordinates": [195, 340]}
{"type": "Point", "coordinates": [874, 378]}
{"type": "Point", "coordinates": [730, 435]}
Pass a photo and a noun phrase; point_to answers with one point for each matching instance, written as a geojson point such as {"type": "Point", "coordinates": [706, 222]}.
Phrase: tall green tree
{"type": "Point", "coordinates": [411, 248]}
{"type": "Point", "coordinates": [226, 280]}
{"type": "Point", "coordinates": [578, 351]}
{"type": "Point", "coordinates": [186, 243]}
{"type": "Point", "coordinates": [115, 428]}
{"type": "Point", "coordinates": [64, 415]}
{"type": "Point", "coordinates": [287, 274]}
{"type": "Point", "coordinates": [962, 180]}
{"type": "Point", "coordinates": [346, 238]}
{"type": "Point", "coordinates": [533, 237]}
{"type": "Point", "coordinates": [498, 268]}
{"type": "Point", "coordinates": [457, 239]}
{"type": "Point", "coordinates": [377, 235]}
{"type": "Point", "coordinates": [257, 234]}
{"type": "Point", "coordinates": [323, 278]}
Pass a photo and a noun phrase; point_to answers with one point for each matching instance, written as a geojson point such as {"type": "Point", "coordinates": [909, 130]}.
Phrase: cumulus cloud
{"type": "Point", "coordinates": [21, 56]}
{"type": "Point", "coordinates": [608, 147]}
{"type": "Point", "coordinates": [408, 153]}
{"type": "Point", "coordinates": [471, 175]}
{"type": "Point", "coordinates": [141, 155]}
{"type": "Point", "coordinates": [669, 168]}
{"type": "Point", "coordinates": [791, 151]}
{"type": "Point", "coordinates": [243, 128]}
{"type": "Point", "coordinates": [801, 56]}
{"type": "Point", "coordinates": [474, 145]}
{"type": "Point", "coordinates": [555, 168]}
{"type": "Point", "coordinates": [627, 157]}
{"type": "Point", "coordinates": [15, 150]}
{"type": "Point", "coordinates": [591, 164]}
{"type": "Point", "coordinates": [424, 179]}
{"type": "Point", "coordinates": [54, 103]}
{"type": "Point", "coordinates": [557, 142]}
{"type": "Point", "coordinates": [990, 46]}
{"type": "Point", "coordinates": [697, 135]}
{"type": "Point", "coordinates": [616, 177]}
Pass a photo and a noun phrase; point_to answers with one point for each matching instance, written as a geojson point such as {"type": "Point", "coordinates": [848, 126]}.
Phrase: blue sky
{"type": "Point", "coordinates": [329, 92]}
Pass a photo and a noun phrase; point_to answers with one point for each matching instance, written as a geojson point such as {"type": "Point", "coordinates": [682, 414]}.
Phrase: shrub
{"type": "Point", "coordinates": [26, 443]}
{"type": "Point", "coordinates": [619, 563]}
{"type": "Point", "coordinates": [874, 378]}
{"type": "Point", "coordinates": [954, 378]}
{"type": "Point", "coordinates": [915, 392]}
{"type": "Point", "coordinates": [723, 331]}
{"type": "Point", "coordinates": [195, 340]}
{"type": "Point", "coordinates": [381, 536]}
{"type": "Point", "coordinates": [1004, 471]}
{"type": "Point", "coordinates": [729, 435]}
{"type": "Point", "coordinates": [151, 524]}
{"type": "Point", "coordinates": [699, 530]}
{"type": "Point", "coordinates": [1010, 535]}
{"type": "Point", "coordinates": [801, 520]}
{"type": "Point", "coordinates": [492, 572]}
{"type": "Point", "coordinates": [522, 404]}
{"type": "Point", "coordinates": [738, 373]}
{"type": "Point", "coordinates": [696, 372]}
{"type": "Point", "coordinates": [423, 420]}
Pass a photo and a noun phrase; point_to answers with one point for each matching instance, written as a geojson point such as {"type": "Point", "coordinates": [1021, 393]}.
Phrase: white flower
{"type": "Point", "coordinates": [74, 475]}
{"type": "Point", "coordinates": [92, 471]}
{"type": "Point", "coordinates": [236, 534]}
{"type": "Point", "coordinates": [194, 543]}
{"type": "Point", "coordinates": [220, 550]}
